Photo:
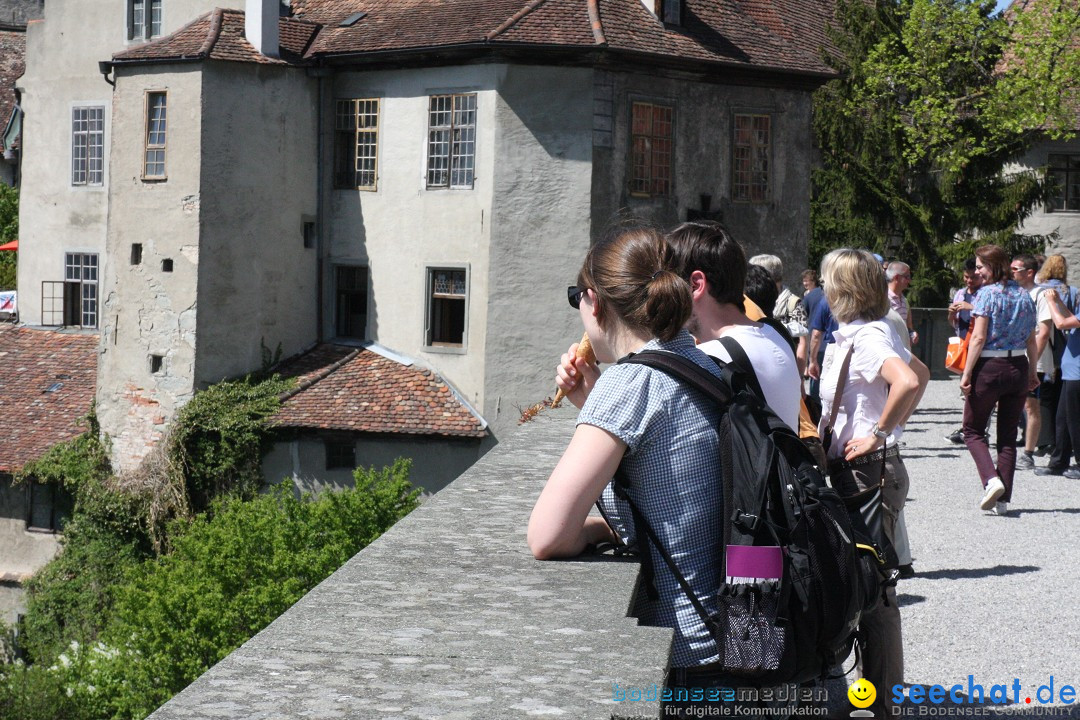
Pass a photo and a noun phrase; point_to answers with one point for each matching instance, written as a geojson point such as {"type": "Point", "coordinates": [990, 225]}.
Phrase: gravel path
{"type": "Point", "coordinates": [995, 598]}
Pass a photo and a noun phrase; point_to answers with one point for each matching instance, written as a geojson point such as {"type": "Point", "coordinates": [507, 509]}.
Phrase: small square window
{"type": "Point", "coordinates": [136, 253]}
{"type": "Point", "coordinates": [166, 265]}
{"type": "Point", "coordinates": [309, 234]}
{"type": "Point", "coordinates": [447, 294]}
{"type": "Point", "coordinates": [50, 507]}
{"type": "Point", "coordinates": [340, 454]}
{"type": "Point", "coordinates": [156, 363]}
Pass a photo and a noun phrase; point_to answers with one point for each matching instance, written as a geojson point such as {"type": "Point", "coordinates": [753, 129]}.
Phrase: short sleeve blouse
{"type": "Point", "coordinates": [672, 469]}
{"type": "Point", "coordinates": [1010, 312]}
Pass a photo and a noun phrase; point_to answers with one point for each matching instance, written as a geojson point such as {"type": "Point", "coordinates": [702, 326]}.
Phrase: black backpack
{"type": "Point", "coordinates": [798, 628]}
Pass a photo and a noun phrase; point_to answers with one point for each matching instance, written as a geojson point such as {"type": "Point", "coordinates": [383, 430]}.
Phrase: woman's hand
{"type": "Point", "coordinates": [965, 382]}
{"type": "Point", "coordinates": [858, 447]}
{"type": "Point", "coordinates": [961, 306]}
{"type": "Point", "coordinates": [575, 377]}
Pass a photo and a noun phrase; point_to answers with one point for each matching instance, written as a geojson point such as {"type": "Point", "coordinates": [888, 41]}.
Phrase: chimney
{"type": "Point", "coordinates": [261, 25]}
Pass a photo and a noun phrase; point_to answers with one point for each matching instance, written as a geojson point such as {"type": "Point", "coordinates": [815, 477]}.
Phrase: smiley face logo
{"type": "Point", "coordinates": [862, 693]}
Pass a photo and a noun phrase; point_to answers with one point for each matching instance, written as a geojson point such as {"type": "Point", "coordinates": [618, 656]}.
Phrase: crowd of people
{"type": "Point", "coordinates": [1021, 360]}
{"type": "Point", "coordinates": [684, 292]}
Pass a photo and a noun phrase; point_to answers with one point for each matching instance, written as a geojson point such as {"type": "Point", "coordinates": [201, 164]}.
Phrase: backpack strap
{"type": "Point", "coordinates": [742, 361]}
{"type": "Point", "coordinates": [841, 381]}
{"type": "Point", "coordinates": [697, 377]}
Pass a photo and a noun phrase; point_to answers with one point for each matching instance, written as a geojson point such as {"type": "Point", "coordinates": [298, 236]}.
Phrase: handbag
{"type": "Point", "coordinates": [956, 353]}
{"type": "Point", "coordinates": [864, 503]}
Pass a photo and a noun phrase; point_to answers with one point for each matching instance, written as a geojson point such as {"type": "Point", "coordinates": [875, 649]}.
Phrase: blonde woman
{"type": "Point", "coordinates": [1050, 344]}
{"type": "Point", "coordinates": [882, 387]}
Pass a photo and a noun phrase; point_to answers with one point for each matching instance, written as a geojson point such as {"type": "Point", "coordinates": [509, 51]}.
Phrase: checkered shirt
{"type": "Point", "coordinates": [672, 466]}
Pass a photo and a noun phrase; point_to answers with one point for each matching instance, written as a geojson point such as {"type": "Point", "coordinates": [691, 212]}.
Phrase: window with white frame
{"type": "Point", "coordinates": [81, 289]}
{"type": "Point", "coordinates": [451, 151]}
{"type": "Point", "coordinates": [87, 145]}
{"type": "Point", "coordinates": [750, 158]}
{"type": "Point", "coordinates": [1064, 172]}
{"type": "Point", "coordinates": [144, 19]}
{"type": "Point", "coordinates": [652, 142]}
{"type": "Point", "coordinates": [156, 125]}
{"type": "Point", "coordinates": [447, 295]}
{"type": "Point", "coordinates": [356, 143]}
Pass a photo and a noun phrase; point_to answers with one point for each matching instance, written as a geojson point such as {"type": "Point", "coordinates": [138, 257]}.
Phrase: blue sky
{"type": "Point", "coordinates": [1002, 4]}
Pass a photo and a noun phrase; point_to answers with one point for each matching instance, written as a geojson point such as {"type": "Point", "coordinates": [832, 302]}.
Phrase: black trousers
{"type": "Point", "coordinates": [1067, 426]}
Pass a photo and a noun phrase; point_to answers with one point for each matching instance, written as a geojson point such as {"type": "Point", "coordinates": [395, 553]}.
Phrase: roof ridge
{"type": "Point", "coordinates": [320, 375]}
{"type": "Point", "coordinates": [513, 19]}
{"type": "Point", "coordinates": [214, 32]}
{"type": "Point", "coordinates": [593, 8]}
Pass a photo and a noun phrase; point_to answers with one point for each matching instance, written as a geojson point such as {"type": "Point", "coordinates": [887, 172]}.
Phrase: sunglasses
{"type": "Point", "coordinates": [573, 294]}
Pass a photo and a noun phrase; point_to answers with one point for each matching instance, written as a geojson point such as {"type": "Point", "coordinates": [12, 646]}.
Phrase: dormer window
{"type": "Point", "coordinates": [668, 12]}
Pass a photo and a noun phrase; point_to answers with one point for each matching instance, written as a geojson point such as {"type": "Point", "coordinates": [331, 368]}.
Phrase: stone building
{"type": "Point", "coordinates": [211, 186]}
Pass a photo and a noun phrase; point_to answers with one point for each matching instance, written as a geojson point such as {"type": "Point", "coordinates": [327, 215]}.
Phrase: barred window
{"type": "Point", "coordinates": [87, 145]}
{"type": "Point", "coordinates": [144, 22]}
{"type": "Point", "coordinates": [356, 143]}
{"type": "Point", "coordinates": [750, 158]}
{"type": "Point", "coordinates": [651, 145]}
{"type": "Point", "coordinates": [1064, 172]}
{"type": "Point", "coordinates": [451, 141]}
{"type": "Point", "coordinates": [156, 125]}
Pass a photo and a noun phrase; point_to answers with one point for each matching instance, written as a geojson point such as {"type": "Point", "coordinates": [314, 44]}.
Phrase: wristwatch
{"type": "Point", "coordinates": [878, 432]}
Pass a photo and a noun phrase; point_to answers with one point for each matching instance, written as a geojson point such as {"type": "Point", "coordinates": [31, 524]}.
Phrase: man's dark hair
{"type": "Point", "coordinates": [1028, 260]}
{"type": "Point", "coordinates": [707, 246]}
{"type": "Point", "coordinates": [969, 265]}
{"type": "Point", "coordinates": [761, 288]}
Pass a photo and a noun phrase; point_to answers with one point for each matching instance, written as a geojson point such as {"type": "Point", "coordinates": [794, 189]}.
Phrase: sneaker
{"type": "Point", "coordinates": [1051, 470]}
{"type": "Point", "coordinates": [906, 571]}
{"type": "Point", "coordinates": [956, 436]}
{"type": "Point", "coordinates": [1001, 509]}
{"type": "Point", "coordinates": [1025, 461]}
{"type": "Point", "coordinates": [994, 489]}
{"type": "Point", "coordinates": [1072, 473]}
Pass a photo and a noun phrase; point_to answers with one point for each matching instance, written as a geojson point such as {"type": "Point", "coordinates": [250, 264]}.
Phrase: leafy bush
{"type": "Point", "coordinates": [219, 438]}
{"type": "Point", "coordinates": [233, 571]}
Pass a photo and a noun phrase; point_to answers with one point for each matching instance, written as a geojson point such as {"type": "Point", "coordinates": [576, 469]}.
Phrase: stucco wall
{"type": "Point", "coordinates": [540, 232]}
{"type": "Point", "coordinates": [436, 461]}
{"type": "Point", "coordinates": [257, 281]}
{"type": "Point", "coordinates": [62, 52]}
{"type": "Point", "coordinates": [147, 310]}
{"type": "Point", "coordinates": [1065, 223]}
{"type": "Point", "coordinates": [704, 118]}
{"type": "Point", "coordinates": [402, 228]}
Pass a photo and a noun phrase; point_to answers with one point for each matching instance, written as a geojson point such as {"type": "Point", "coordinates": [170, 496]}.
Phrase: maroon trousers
{"type": "Point", "coordinates": [1000, 381]}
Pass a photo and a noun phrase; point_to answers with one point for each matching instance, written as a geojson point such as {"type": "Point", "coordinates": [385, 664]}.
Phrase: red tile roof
{"type": "Point", "coordinates": [355, 389]}
{"type": "Point", "coordinates": [778, 35]}
{"type": "Point", "coordinates": [219, 35]}
{"type": "Point", "coordinates": [33, 418]}
{"type": "Point", "coordinates": [12, 65]}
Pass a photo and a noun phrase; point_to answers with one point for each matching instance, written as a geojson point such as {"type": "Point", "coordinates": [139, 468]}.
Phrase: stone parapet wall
{"type": "Point", "coordinates": [448, 615]}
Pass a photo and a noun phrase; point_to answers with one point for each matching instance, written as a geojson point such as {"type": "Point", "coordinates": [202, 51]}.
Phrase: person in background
{"type": "Point", "coordinates": [1050, 344]}
{"type": "Point", "coordinates": [789, 308]}
{"type": "Point", "coordinates": [999, 372]}
{"type": "Point", "coordinates": [1064, 304]}
{"type": "Point", "coordinates": [882, 388]}
{"type": "Point", "coordinates": [822, 326]}
{"type": "Point", "coordinates": [761, 289]}
{"type": "Point", "coordinates": [1023, 268]}
{"type": "Point", "coordinates": [960, 319]}
{"type": "Point", "coordinates": [898, 275]}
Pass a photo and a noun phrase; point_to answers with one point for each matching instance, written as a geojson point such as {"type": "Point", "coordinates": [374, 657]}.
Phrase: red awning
{"type": "Point", "coordinates": [13, 245]}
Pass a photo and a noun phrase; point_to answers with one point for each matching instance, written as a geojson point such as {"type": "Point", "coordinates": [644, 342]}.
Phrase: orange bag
{"type": "Point", "coordinates": [956, 354]}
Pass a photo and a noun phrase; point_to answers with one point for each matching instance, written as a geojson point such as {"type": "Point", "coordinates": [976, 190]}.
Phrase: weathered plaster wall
{"type": "Point", "coordinates": [147, 310]}
{"type": "Point", "coordinates": [256, 280]}
{"type": "Point", "coordinates": [704, 118]}
{"type": "Point", "coordinates": [402, 228]}
{"type": "Point", "coordinates": [540, 232]}
{"type": "Point", "coordinates": [1064, 222]}
{"type": "Point", "coordinates": [436, 461]}
{"type": "Point", "coordinates": [62, 52]}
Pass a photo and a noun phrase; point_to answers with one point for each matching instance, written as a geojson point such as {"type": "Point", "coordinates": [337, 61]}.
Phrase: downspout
{"type": "Point", "coordinates": [319, 213]}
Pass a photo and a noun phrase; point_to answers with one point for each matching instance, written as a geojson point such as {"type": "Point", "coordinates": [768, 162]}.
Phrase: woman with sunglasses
{"type": "Point", "coordinates": [657, 433]}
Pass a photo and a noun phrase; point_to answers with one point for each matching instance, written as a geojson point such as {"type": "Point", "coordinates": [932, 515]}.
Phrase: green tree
{"type": "Point", "coordinates": [932, 103]}
{"type": "Point", "coordinates": [9, 230]}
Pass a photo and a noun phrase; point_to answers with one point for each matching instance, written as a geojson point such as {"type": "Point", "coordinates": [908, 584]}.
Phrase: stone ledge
{"type": "Point", "coordinates": [448, 615]}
